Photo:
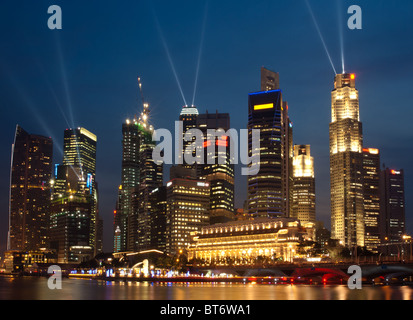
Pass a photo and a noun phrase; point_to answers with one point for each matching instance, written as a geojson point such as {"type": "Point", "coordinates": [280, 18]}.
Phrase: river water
{"type": "Point", "coordinates": [27, 288]}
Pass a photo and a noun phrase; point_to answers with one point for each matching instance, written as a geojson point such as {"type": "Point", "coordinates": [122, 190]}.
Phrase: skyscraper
{"type": "Point", "coordinates": [287, 160]}
{"type": "Point", "coordinates": [371, 183]}
{"type": "Point", "coordinates": [79, 150]}
{"type": "Point", "coordinates": [346, 163]}
{"type": "Point", "coordinates": [140, 176]}
{"type": "Point", "coordinates": [265, 190]}
{"type": "Point", "coordinates": [131, 132]}
{"type": "Point", "coordinates": [31, 172]}
{"type": "Point", "coordinates": [303, 204]}
{"type": "Point", "coordinates": [220, 172]}
{"type": "Point", "coordinates": [393, 219]}
{"type": "Point", "coordinates": [187, 211]}
{"type": "Point", "coordinates": [71, 212]}
{"type": "Point", "coordinates": [188, 117]}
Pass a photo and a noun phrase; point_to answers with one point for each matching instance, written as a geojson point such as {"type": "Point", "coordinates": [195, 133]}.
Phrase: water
{"type": "Point", "coordinates": [80, 289]}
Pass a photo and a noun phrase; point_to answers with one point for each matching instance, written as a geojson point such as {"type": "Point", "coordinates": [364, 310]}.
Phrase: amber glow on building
{"type": "Point", "coordinates": [243, 242]}
{"type": "Point", "coordinates": [346, 163]}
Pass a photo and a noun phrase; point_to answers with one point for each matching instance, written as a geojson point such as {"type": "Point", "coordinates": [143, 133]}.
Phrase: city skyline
{"type": "Point", "coordinates": [234, 97]}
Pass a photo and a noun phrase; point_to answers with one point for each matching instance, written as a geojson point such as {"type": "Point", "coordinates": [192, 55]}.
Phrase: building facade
{"type": "Point", "coordinates": [265, 189]}
{"type": "Point", "coordinates": [371, 185]}
{"type": "Point", "coordinates": [30, 175]}
{"type": "Point", "coordinates": [247, 242]}
{"type": "Point", "coordinates": [346, 164]}
{"type": "Point", "coordinates": [79, 151]}
{"type": "Point", "coordinates": [187, 204]}
{"type": "Point", "coordinates": [218, 167]}
{"type": "Point", "coordinates": [393, 217]}
{"type": "Point", "coordinates": [304, 196]}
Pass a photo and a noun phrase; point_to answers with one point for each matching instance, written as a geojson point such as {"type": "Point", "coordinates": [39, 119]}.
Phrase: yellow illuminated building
{"type": "Point", "coordinates": [346, 163]}
{"type": "Point", "coordinates": [303, 204]}
{"type": "Point", "coordinates": [247, 242]}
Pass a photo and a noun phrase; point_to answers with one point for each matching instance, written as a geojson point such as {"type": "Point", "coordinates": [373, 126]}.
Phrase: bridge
{"type": "Point", "coordinates": [324, 273]}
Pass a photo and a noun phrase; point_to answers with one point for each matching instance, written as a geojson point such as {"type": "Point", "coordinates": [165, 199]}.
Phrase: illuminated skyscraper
{"type": "Point", "coordinates": [270, 191]}
{"type": "Point", "coordinates": [79, 151]}
{"type": "Point", "coordinates": [140, 176]}
{"type": "Point", "coordinates": [346, 163]}
{"type": "Point", "coordinates": [187, 202]}
{"type": "Point", "coordinates": [393, 219]}
{"type": "Point", "coordinates": [71, 212]}
{"type": "Point", "coordinates": [371, 182]}
{"type": "Point", "coordinates": [303, 204]}
{"type": "Point", "coordinates": [129, 179]}
{"type": "Point", "coordinates": [265, 190]}
{"type": "Point", "coordinates": [287, 163]}
{"type": "Point", "coordinates": [188, 117]}
{"type": "Point", "coordinates": [31, 172]}
{"type": "Point", "coordinates": [220, 172]}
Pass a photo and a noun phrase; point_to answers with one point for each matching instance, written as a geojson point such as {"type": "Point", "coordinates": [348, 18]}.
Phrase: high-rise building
{"type": "Point", "coordinates": [371, 182]}
{"type": "Point", "coordinates": [219, 173]}
{"type": "Point", "coordinates": [303, 204]}
{"type": "Point", "coordinates": [270, 191]}
{"type": "Point", "coordinates": [71, 213]}
{"type": "Point", "coordinates": [131, 132]}
{"type": "Point", "coordinates": [187, 211]}
{"type": "Point", "coordinates": [30, 176]}
{"type": "Point", "coordinates": [150, 179]}
{"type": "Point", "coordinates": [346, 164]}
{"type": "Point", "coordinates": [265, 189]}
{"type": "Point", "coordinates": [158, 202]}
{"type": "Point", "coordinates": [287, 162]}
{"type": "Point", "coordinates": [270, 80]}
{"type": "Point", "coordinates": [79, 150]}
{"type": "Point", "coordinates": [188, 117]}
{"type": "Point", "coordinates": [393, 220]}
{"type": "Point", "coordinates": [140, 176]}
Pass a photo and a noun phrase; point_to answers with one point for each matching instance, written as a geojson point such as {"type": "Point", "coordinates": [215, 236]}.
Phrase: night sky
{"type": "Point", "coordinates": [86, 75]}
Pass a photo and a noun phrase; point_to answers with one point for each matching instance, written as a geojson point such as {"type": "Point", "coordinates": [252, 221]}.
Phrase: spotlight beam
{"type": "Point", "coordinates": [320, 35]}
{"type": "Point", "coordinates": [341, 32]}
{"type": "Point", "coordinates": [165, 45]}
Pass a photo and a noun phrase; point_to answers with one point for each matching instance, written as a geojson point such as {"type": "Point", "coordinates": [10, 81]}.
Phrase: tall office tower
{"type": "Point", "coordinates": [157, 199]}
{"type": "Point", "coordinates": [79, 150]}
{"type": "Point", "coordinates": [270, 80]}
{"type": "Point", "coordinates": [371, 175]}
{"type": "Point", "coordinates": [30, 175]}
{"type": "Point", "coordinates": [265, 189]}
{"type": "Point", "coordinates": [131, 132]}
{"type": "Point", "coordinates": [150, 179]}
{"type": "Point", "coordinates": [71, 211]}
{"type": "Point", "coordinates": [287, 162]}
{"type": "Point", "coordinates": [304, 201]}
{"type": "Point", "coordinates": [219, 173]}
{"type": "Point", "coordinates": [188, 117]}
{"type": "Point", "coordinates": [346, 163]}
{"type": "Point", "coordinates": [140, 176]}
{"type": "Point", "coordinates": [392, 209]}
{"type": "Point", "coordinates": [187, 202]}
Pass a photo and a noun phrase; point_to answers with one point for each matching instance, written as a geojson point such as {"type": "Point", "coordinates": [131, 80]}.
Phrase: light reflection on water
{"type": "Point", "coordinates": [74, 289]}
